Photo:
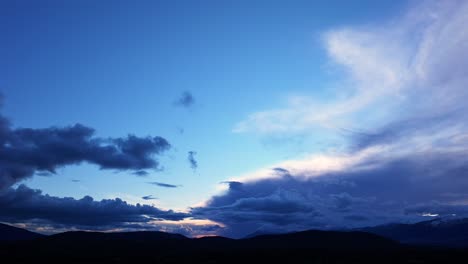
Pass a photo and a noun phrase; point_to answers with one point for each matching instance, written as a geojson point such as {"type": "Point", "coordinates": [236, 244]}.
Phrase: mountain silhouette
{"type": "Point", "coordinates": [163, 247]}
{"type": "Point", "coordinates": [310, 246]}
{"type": "Point", "coordinates": [11, 233]}
{"type": "Point", "coordinates": [322, 239]}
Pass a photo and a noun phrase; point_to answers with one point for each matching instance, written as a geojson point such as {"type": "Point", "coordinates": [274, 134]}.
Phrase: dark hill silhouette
{"type": "Point", "coordinates": [11, 233]}
{"type": "Point", "coordinates": [436, 232]}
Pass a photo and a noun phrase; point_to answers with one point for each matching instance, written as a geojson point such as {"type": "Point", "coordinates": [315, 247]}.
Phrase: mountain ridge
{"type": "Point", "coordinates": [12, 233]}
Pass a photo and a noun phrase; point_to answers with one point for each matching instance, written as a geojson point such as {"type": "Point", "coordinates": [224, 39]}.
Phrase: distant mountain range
{"type": "Point", "coordinates": [436, 232]}
{"type": "Point", "coordinates": [368, 245]}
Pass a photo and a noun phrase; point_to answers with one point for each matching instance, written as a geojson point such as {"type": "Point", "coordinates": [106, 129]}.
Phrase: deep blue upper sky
{"type": "Point", "coordinates": [118, 67]}
{"type": "Point", "coordinates": [313, 87]}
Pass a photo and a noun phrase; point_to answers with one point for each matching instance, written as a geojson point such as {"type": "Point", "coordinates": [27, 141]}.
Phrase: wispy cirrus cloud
{"type": "Point", "coordinates": [165, 185]}
{"type": "Point", "coordinates": [391, 69]}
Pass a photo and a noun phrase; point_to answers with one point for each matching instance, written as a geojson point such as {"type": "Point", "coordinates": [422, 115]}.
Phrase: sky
{"type": "Point", "coordinates": [232, 117]}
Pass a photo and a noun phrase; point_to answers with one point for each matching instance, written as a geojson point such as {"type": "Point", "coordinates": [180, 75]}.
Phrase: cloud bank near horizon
{"type": "Point", "coordinates": [25, 152]}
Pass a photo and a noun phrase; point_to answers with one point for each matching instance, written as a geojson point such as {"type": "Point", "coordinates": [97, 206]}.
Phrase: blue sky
{"type": "Point", "coordinates": [119, 67]}
{"type": "Point", "coordinates": [308, 86]}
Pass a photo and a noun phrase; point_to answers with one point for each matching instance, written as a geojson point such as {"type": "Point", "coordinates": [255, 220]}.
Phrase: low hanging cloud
{"type": "Point", "coordinates": [23, 204]}
{"type": "Point", "coordinates": [186, 100]}
{"type": "Point", "coordinates": [26, 151]}
{"type": "Point", "coordinates": [165, 185]}
{"type": "Point", "coordinates": [191, 158]}
{"type": "Point", "coordinates": [406, 129]}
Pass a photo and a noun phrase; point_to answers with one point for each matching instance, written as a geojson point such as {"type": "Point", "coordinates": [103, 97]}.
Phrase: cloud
{"type": "Point", "coordinates": [75, 180]}
{"type": "Point", "coordinates": [381, 190]}
{"type": "Point", "coordinates": [413, 64]}
{"type": "Point", "coordinates": [233, 185]}
{"type": "Point", "coordinates": [28, 151]}
{"type": "Point", "coordinates": [166, 185]}
{"type": "Point", "coordinates": [141, 173]}
{"type": "Point", "coordinates": [186, 100]}
{"type": "Point", "coordinates": [404, 114]}
{"type": "Point", "coordinates": [192, 161]}
{"type": "Point", "coordinates": [188, 227]}
{"type": "Point", "coordinates": [43, 173]}
{"type": "Point", "coordinates": [28, 205]}
{"type": "Point", "coordinates": [149, 197]}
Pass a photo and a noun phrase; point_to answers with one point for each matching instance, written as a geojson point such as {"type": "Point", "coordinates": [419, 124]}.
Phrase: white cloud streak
{"type": "Point", "coordinates": [416, 64]}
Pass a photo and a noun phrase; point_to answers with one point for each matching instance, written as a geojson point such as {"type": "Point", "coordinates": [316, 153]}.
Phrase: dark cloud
{"type": "Point", "coordinates": [75, 180]}
{"type": "Point", "coordinates": [234, 185]}
{"type": "Point", "coordinates": [166, 185]}
{"type": "Point", "coordinates": [28, 205]}
{"type": "Point", "coordinates": [149, 197]}
{"type": "Point", "coordinates": [192, 161]}
{"type": "Point", "coordinates": [140, 173]}
{"type": "Point", "coordinates": [27, 151]}
{"type": "Point", "coordinates": [384, 191]}
{"type": "Point", "coordinates": [186, 99]}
